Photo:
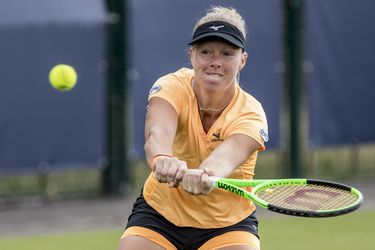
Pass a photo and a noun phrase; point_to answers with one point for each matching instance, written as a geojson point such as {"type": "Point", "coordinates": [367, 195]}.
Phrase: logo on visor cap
{"type": "Point", "coordinates": [216, 28]}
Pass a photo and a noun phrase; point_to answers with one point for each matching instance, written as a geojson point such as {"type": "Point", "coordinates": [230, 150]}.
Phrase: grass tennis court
{"type": "Point", "coordinates": [353, 231]}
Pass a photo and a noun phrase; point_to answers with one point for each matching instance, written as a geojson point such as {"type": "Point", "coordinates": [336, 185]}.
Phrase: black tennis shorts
{"type": "Point", "coordinates": [187, 238]}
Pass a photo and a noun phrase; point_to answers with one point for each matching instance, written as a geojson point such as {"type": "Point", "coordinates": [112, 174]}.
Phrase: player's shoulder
{"type": "Point", "coordinates": [182, 76]}
{"type": "Point", "coordinates": [175, 87]}
{"type": "Point", "coordinates": [249, 100]}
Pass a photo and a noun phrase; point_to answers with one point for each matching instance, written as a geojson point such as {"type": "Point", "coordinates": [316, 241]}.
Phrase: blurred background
{"type": "Point", "coordinates": [311, 64]}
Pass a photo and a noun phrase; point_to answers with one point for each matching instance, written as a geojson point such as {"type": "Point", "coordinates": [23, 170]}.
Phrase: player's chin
{"type": "Point", "coordinates": [213, 84]}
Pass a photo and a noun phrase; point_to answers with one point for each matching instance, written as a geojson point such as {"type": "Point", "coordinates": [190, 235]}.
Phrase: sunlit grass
{"type": "Point", "coordinates": [277, 232]}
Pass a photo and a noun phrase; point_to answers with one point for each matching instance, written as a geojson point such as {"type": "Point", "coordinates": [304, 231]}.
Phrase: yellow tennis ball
{"type": "Point", "coordinates": [63, 77]}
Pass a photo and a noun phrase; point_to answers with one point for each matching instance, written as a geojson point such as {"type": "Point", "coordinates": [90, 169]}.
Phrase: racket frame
{"type": "Point", "coordinates": [234, 186]}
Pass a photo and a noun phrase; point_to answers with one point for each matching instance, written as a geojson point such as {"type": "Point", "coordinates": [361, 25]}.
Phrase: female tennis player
{"type": "Point", "coordinates": [200, 123]}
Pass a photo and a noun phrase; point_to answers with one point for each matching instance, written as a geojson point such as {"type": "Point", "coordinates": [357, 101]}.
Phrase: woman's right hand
{"type": "Point", "coordinates": [170, 170]}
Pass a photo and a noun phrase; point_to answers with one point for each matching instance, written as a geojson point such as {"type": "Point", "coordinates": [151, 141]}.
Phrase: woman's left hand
{"type": "Point", "coordinates": [195, 181]}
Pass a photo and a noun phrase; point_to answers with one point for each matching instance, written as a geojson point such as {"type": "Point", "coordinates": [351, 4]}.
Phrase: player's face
{"type": "Point", "coordinates": [216, 64]}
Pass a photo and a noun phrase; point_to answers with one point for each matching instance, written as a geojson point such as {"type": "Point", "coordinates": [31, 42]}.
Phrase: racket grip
{"type": "Point", "coordinates": [213, 179]}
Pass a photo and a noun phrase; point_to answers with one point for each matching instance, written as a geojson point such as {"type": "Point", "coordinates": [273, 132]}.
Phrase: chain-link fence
{"type": "Point", "coordinates": [35, 188]}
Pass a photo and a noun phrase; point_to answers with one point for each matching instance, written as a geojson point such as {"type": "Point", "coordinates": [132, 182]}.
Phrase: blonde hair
{"type": "Point", "coordinates": [224, 14]}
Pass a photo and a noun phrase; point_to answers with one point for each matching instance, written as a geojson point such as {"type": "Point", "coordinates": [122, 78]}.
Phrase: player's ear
{"type": "Point", "coordinates": [191, 55]}
{"type": "Point", "coordinates": [243, 60]}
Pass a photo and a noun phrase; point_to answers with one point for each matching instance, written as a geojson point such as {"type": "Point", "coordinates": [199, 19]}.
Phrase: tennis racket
{"type": "Point", "coordinates": [298, 197]}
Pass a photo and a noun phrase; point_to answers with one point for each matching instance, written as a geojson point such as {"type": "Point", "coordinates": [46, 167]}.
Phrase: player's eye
{"type": "Point", "coordinates": [228, 53]}
{"type": "Point", "coordinates": [205, 52]}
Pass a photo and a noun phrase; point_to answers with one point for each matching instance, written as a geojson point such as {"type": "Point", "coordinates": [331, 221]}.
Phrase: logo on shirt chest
{"type": "Point", "coordinates": [216, 137]}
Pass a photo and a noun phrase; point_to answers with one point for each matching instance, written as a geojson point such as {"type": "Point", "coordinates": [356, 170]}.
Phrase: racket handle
{"type": "Point", "coordinates": [213, 179]}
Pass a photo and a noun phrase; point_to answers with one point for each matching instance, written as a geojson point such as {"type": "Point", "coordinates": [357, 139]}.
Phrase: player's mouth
{"type": "Point", "coordinates": [214, 74]}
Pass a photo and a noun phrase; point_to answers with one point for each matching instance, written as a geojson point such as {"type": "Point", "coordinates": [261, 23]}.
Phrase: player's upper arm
{"type": "Point", "coordinates": [160, 126]}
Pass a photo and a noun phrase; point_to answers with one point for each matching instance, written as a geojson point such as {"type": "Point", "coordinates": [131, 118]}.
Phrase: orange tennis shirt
{"type": "Point", "coordinates": [243, 115]}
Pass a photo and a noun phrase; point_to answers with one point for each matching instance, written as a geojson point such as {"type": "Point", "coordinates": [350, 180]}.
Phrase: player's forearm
{"type": "Point", "coordinates": [218, 167]}
{"type": "Point", "coordinates": [233, 152]}
{"type": "Point", "coordinates": [157, 142]}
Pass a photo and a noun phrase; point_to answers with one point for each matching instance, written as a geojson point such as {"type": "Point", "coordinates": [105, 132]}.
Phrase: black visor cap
{"type": "Point", "coordinates": [219, 29]}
